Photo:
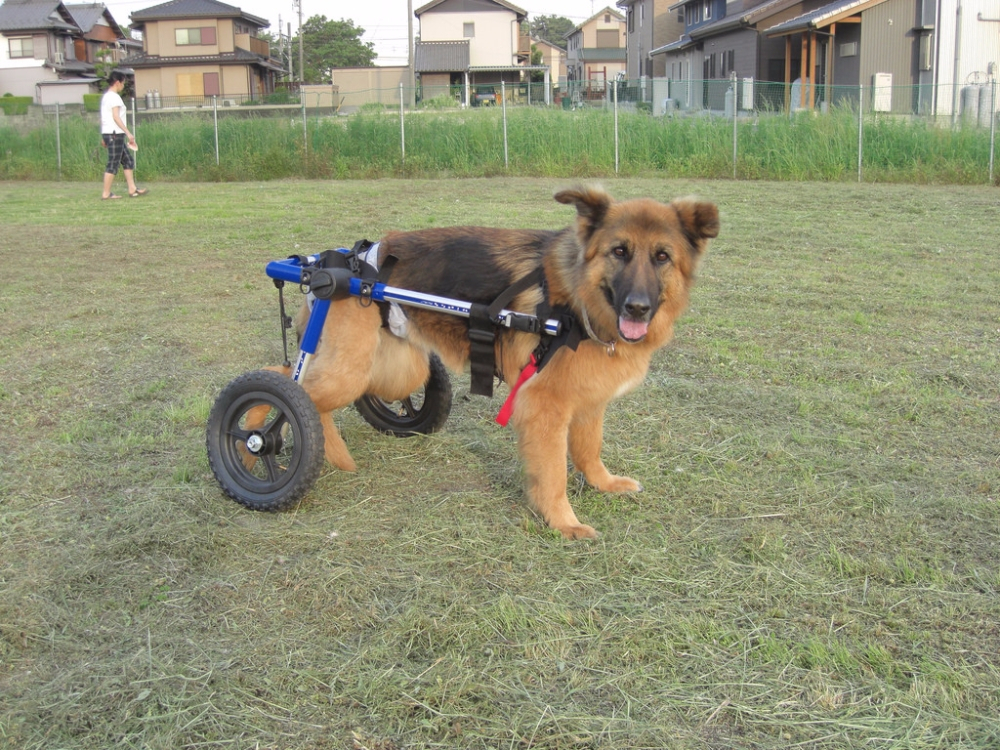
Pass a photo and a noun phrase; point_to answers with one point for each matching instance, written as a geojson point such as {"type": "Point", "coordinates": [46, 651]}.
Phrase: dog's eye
{"type": "Point", "coordinates": [619, 251]}
{"type": "Point", "coordinates": [662, 256]}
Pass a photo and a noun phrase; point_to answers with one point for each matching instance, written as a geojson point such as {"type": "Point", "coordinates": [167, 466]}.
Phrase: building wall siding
{"type": "Point", "coordinates": [888, 45]}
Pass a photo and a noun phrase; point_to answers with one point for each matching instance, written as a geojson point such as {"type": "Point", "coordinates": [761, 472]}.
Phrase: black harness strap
{"type": "Point", "coordinates": [482, 332]}
{"type": "Point", "coordinates": [570, 332]}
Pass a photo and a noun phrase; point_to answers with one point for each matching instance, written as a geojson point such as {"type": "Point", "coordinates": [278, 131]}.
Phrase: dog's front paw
{"type": "Point", "coordinates": [620, 484]}
{"type": "Point", "coordinates": [577, 531]}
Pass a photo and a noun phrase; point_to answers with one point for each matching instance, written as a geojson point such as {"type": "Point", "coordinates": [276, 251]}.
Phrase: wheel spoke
{"type": "Point", "coordinates": [236, 433]}
{"type": "Point", "coordinates": [409, 410]}
{"type": "Point", "coordinates": [273, 428]}
{"type": "Point", "coordinates": [272, 467]}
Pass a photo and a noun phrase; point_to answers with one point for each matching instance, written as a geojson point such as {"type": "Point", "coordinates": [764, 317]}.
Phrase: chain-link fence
{"type": "Point", "coordinates": [636, 121]}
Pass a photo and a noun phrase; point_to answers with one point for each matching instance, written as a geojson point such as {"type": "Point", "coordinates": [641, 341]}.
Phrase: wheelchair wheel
{"type": "Point", "coordinates": [422, 412]}
{"type": "Point", "coordinates": [265, 441]}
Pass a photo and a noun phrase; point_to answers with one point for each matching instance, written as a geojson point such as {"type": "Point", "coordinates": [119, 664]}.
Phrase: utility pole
{"type": "Point", "coordinates": [297, 4]}
{"type": "Point", "coordinates": [281, 42]}
{"type": "Point", "coordinates": [409, 52]}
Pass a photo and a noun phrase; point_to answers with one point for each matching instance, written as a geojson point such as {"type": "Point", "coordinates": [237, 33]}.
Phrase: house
{"type": "Point", "coordinates": [828, 48]}
{"type": "Point", "coordinates": [469, 47]}
{"type": "Point", "coordinates": [928, 57]}
{"type": "Point", "coordinates": [193, 50]}
{"type": "Point", "coordinates": [596, 53]}
{"type": "Point", "coordinates": [553, 58]}
{"type": "Point", "coordinates": [721, 38]}
{"type": "Point", "coordinates": [101, 36]}
{"type": "Point", "coordinates": [650, 24]}
{"type": "Point", "coordinates": [46, 54]}
{"type": "Point", "coordinates": [795, 54]}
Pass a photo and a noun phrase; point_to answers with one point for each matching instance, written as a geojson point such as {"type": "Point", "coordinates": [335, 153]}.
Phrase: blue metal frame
{"type": "Point", "coordinates": [291, 270]}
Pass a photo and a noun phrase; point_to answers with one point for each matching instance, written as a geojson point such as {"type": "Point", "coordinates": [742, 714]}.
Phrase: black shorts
{"type": "Point", "coordinates": [118, 152]}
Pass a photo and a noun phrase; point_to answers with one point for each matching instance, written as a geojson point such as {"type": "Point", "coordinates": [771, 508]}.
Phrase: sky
{"type": "Point", "coordinates": [384, 21]}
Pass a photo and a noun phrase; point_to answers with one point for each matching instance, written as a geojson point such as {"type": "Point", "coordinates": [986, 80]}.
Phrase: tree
{"type": "Point", "coordinates": [332, 44]}
{"type": "Point", "coordinates": [553, 29]}
{"type": "Point", "coordinates": [536, 59]}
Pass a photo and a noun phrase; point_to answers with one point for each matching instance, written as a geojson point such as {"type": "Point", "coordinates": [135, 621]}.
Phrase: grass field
{"type": "Point", "coordinates": [528, 142]}
{"type": "Point", "coordinates": [814, 562]}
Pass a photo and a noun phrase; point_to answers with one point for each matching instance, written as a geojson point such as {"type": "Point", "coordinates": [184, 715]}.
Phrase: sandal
{"type": "Point", "coordinates": [138, 193]}
{"type": "Point", "coordinates": [111, 197]}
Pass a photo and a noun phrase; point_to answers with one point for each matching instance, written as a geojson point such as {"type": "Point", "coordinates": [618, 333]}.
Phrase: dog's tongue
{"type": "Point", "coordinates": [633, 330]}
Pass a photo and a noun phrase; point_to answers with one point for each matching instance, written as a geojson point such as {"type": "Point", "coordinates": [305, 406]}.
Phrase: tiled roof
{"type": "Point", "coordinates": [236, 57]}
{"type": "Point", "coordinates": [30, 15]}
{"type": "Point", "coordinates": [816, 18]}
{"type": "Point", "coordinates": [592, 54]}
{"type": "Point", "coordinates": [441, 57]}
{"type": "Point", "coordinates": [86, 15]}
{"type": "Point", "coordinates": [194, 9]}
{"type": "Point", "coordinates": [502, 3]}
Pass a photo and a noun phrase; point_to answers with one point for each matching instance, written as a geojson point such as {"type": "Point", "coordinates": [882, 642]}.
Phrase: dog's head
{"type": "Point", "coordinates": [636, 259]}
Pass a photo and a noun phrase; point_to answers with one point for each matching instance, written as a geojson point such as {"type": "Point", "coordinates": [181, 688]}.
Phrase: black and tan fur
{"type": "Point", "coordinates": [626, 267]}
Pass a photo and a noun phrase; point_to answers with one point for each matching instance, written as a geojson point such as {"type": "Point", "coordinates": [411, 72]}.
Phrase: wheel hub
{"type": "Point", "coordinates": [255, 443]}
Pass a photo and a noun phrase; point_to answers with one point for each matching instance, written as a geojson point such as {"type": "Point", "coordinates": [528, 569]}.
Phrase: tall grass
{"type": "Point", "coordinates": [539, 143]}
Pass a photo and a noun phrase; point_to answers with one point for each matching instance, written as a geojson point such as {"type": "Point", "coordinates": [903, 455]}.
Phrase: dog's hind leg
{"type": "Point", "coordinates": [586, 435]}
{"type": "Point", "coordinates": [340, 371]}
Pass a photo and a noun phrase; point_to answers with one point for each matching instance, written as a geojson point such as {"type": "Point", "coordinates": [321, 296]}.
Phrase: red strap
{"type": "Point", "coordinates": [508, 406]}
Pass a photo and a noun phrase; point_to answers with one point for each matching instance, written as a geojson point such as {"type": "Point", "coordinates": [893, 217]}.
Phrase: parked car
{"type": "Point", "coordinates": [484, 96]}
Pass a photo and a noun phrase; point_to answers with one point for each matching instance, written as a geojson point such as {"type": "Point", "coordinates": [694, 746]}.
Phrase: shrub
{"type": "Point", "coordinates": [15, 105]}
{"type": "Point", "coordinates": [92, 102]}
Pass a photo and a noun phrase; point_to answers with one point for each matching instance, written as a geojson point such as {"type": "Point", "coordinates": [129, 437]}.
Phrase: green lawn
{"type": "Point", "coordinates": [814, 561]}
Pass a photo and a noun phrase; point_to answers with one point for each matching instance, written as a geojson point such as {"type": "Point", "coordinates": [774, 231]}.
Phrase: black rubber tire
{"type": "Point", "coordinates": [420, 413]}
{"type": "Point", "coordinates": [290, 454]}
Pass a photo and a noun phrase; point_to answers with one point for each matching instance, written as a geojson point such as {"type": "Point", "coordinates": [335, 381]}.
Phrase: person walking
{"type": "Point", "coordinates": [114, 133]}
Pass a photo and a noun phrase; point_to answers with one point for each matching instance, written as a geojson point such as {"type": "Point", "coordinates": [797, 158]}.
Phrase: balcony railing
{"type": "Point", "coordinates": [253, 44]}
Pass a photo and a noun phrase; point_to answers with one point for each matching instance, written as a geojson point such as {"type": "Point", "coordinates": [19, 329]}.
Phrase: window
{"type": "Point", "coordinates": [201, 36]}
{"type": "Point", "coordinates": [631, 20]}
{"type": "Point", "coordinates": [607, 18]}
{"type": "Point", "coordinates": [706, 10]}
{"type": "Point", "coordinates": [210, 83]}
{"type": "Point", "coordinates": [608, 39]}
{"type": "Point", "coordinates": [469, 30]}
{"type": "Point", "coordinates": [693, 14]}
{"type": "Point", "coordinates": [727, 62]}
{"type": "Point", "coordinates": [849, 50]}
{"type": "Point", "coordinates": [190, 84]}
{"type": "Point", "coordinates": [22, 47]}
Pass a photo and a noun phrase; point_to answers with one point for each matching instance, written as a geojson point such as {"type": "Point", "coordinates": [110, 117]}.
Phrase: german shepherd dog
{"type": "Point", "coordinates": [624, 269]}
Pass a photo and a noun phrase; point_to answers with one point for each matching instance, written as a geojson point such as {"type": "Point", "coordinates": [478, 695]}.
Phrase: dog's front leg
{"type": "Point", "coordinates": [586, 435]}
{"type": "Point", "coordinates": [542, 442]}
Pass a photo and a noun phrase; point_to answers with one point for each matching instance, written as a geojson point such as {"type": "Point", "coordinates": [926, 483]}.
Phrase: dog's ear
{"type": "Point", "coordinates": [591, 207]}
{"type": "Point", "coordinates": [699, 219]}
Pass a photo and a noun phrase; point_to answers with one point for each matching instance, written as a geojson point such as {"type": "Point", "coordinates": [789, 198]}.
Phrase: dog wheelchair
{"type": "Point", "coordinates": [264, 437]}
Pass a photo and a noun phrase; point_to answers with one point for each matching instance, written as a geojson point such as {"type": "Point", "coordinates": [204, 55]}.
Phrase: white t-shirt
{"type": "Point", "coordinates": [109, 102]}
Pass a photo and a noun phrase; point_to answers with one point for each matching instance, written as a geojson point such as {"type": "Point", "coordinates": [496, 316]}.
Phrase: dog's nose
{"type": "Point", "coordinates": [637, 307]}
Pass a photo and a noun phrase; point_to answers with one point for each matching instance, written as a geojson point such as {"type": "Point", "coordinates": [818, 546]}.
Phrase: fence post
{"type": "Point", "coordinates": [215, 118]}
{"type": "Point", "coordinates": [736, 109]}
{"type": "Point", "coordinates": [305, 131]}
{"type": "Point", "coordinates": [135, 127]}
{"type": "Point", "coordinates": [614, 97]}
{"type": "Point", "coordinates": [58, 143]}
{"type": "Point", "coordinates": [503, 106]}
{"type": "Point", "coordinates": [861, 128]}
{"type": "Point", "coordinates": [402, 126]}
{"type": "Point", "coordinates": [993, 123]}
